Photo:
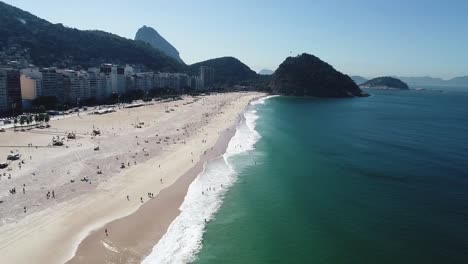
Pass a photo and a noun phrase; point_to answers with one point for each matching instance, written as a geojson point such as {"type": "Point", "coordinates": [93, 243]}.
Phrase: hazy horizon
{"type": "Point", "coordinates": [366, 38]}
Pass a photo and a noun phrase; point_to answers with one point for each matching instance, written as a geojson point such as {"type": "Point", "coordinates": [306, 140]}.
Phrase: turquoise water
{"type": "Point", "coordinates": [382, 179]}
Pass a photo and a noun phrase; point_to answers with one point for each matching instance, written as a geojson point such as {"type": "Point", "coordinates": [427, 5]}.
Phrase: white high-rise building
{"type": "Point", "coordinates": [171, 80]}
{"type": "Point", "coordinates": [129, 70]}
{"type": "Point", "coordinates": [118, 79]}
{"type": "Point", "coordinates": [100, 83]}
{"type": "Point", "coordinates": [117, 75]}
{"type": "Point", "coordinates": [196, 83]}
{"type": "Point", "coordinates": [79, 88]}
{"type": "Point", "coordinates": [104, 87]}
{"type": "Point", "coordinates": [52, 84]}
{"type": "Point", "coordinates": [207, 76]}
{"type": "Point", "coordinates": [144, 81]}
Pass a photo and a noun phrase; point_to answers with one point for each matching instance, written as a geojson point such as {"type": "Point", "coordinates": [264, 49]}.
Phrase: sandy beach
{"type": "Point", "coordinates": [132, 185]}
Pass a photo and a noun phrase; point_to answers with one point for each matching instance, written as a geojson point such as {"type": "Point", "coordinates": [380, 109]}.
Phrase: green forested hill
{"type": "Point", "coordinates": [228, 70]}
{"type": "Point", "coordinates": [385, 82]}
{"type": "Point", "coordinates": [56, 45]}
{"type": "Point", "coordinates": [307, 75]}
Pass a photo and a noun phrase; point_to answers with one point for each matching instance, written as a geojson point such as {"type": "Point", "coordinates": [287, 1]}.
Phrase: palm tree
{"type": "Point", "coordinates": [37, 118]}
{"type": "Point", "coordinates": [28, 121]}
{"type": "Point", "coordinates": [22, 120]}
{"type": "Point", "coordinates": [46, 118]}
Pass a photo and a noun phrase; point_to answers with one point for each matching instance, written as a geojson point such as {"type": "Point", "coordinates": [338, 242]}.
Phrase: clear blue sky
{"type": "Point", "coordinates": [367, 37]}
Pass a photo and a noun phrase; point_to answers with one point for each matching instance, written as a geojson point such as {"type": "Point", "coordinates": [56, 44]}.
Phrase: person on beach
{"type": "Point", "coordinates": [105, 231]}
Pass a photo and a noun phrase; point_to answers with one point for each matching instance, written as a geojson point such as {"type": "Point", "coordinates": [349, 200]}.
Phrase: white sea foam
{"type": "Point", "coordinates": [183, 239]}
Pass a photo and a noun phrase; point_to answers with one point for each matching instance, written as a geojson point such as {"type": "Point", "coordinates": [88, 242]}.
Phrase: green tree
{"type": "Point", "coordinates": [46, 118]}
{"type": "Point", "coordinates": [45, 102]}
{"type": "Point", "coordinates": [42, 109]}
{"type": "Point", "coordinates": [29, 119]}
{"type": "Point", "coordinates": [23, 119]}
{"type": "Point", "coordinates": [37, 118]}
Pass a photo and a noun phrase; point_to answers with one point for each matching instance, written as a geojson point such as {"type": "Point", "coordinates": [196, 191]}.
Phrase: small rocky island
{"type": "Point", "coordinates": [307, 75]}
{"type": "Point", "coordinates": [385, 83]}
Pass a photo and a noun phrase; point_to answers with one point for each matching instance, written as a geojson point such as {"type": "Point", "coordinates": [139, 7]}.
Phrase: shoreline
{"type": "Point", "coordinates": [89, 250]}
{"type": "Point", "coordinates": [122, 246]}
{"type": "Point", "coordinates": [184, 238]}
{"type": "Point", "coordinates": [53, 229]}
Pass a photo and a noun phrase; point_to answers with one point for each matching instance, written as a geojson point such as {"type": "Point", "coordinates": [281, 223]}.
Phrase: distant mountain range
{"type": "Point", "coordinates": [265, 72]}
{"type": "Point", "coordinates": [151, 36]}
{"type": "Point", "coordinates": [358, 79]}
{"type": "Point", "coordinates": [415, 81]}
{"type": "Point", "coordinates": [457, 81]}
{"type": "Point", "coordinates": [54, 45]}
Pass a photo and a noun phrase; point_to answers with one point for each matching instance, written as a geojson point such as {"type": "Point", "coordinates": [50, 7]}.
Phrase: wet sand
{"type": "Point", "coordinates": [132, 238]}
{"type": "Point", "coordinates": [170, 142]}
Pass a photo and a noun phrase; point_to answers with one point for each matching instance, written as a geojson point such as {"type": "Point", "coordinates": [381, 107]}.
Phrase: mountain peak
{"type": "Point", "coordinates": [307, 75]}
{"type": "Point", "coordinates": [153, 38]}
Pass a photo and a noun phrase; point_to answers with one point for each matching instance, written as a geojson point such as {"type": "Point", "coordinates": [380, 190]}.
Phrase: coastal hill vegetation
{"type": "Point", "coordinates": [229, 71]}
{"type": "Point", "coordinates": [53, 45]}
{"type": "Point", "coordinates": [50, 44]}
{"type": "Point", "coordinates": [307, 75]}
{"type": "Point", "coordinates": [385, 82]}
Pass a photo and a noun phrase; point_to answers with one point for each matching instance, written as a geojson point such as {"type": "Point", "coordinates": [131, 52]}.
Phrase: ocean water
{"type": "Point", "coordinates": [183, 240]}
{"type": "Point", "coordinates": [382, 179]}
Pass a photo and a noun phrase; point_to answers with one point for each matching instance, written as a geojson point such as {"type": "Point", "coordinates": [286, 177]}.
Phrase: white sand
{"type": "Point", "coordinates": [51, 229]}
